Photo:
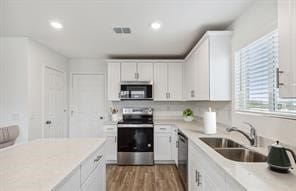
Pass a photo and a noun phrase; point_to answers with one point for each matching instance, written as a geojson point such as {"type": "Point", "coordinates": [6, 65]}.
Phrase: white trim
{"type": "Point", "coordinates": [267, 114]}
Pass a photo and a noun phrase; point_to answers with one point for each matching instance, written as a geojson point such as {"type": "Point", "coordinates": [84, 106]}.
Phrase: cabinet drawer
{"type": "Point", "coordinates": [72, 182]}
{"type": "Point", "coordinates": [110, 128]}
{"type": "Point", "coordinates": [91, 163]}
{"type": "Point", "coordinates": [162, 128]}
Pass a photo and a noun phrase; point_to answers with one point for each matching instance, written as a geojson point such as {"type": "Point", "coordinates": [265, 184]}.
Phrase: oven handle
{"type": "Point", "coordinates": [134, 125]}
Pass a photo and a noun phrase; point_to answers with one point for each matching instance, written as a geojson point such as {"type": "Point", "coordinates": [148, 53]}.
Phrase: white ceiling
{"type": "Point", "coordinates": [88, 33]}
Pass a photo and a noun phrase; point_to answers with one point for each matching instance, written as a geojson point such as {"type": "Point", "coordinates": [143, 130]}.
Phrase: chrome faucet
{"type": "Point", "coordinates": [252, 137]}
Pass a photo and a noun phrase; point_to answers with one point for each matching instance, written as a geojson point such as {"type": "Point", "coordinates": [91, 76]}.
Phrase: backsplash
{"type": "Point", "coordinates": [162, 110]}
{"type": "Point", "coordinates": [222, 109]}
{"type": "Point", "coordinates": [173, 110]}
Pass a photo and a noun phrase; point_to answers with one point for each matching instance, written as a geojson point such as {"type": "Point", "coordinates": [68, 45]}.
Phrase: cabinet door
{"type": "Point", "coordinates": [188, 79]}
{"type": "Point", "coordinates": [162, 146]}
{"type": "Point", "coordinates": [202, 72]}
{"type": "Point", "coordinates": [145, 72]}
{"type": "Point", "coordinates": [194, 181]}
{"type": "Point", "coordinates": [287, 47]}
{"type": "Point", "coordinates": [175, 145]}
{"type": "Point", "coordinates": [160, 81]}
{"type": "Point", "coordinates": [111, 147]}
{"type": "Point", "coordinates": [113, 81]}
{"type": "Point", "coordinates": [128, 71]}
{"type": "Point", "coordinates": [175, 81]}
{"type": "Point", "coordinates": [97, 180]}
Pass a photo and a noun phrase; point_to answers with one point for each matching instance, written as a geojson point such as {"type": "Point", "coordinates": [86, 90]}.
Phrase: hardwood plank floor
{"type": "Point", "coordinates": [144, 178]}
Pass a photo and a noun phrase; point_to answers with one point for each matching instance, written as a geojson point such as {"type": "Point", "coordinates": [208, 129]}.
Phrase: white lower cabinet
{"type": "Point", "coordinates": [97, 179]}
{"type": "Point", "coordinates": [162, 143]}
{"type": "Point", "coordinates": [205, 175]}
{"type": "Point", "coordinates": [90, 175]}
{"type": "Point", "coordinates": [110, 132]}
{"type": "Point", "coordinates": [174, 144]}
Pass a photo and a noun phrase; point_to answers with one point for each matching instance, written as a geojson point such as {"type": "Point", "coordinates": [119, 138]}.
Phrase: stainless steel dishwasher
{"type": "Point", "coordinates": [183, 158]}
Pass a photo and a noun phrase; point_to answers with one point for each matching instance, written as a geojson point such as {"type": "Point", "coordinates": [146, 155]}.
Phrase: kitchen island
{"type": "Point", "coordinates": [54, 164]}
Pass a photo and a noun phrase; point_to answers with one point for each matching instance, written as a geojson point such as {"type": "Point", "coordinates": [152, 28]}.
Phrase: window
{"type": "Point", "coordinates": [255, 78]}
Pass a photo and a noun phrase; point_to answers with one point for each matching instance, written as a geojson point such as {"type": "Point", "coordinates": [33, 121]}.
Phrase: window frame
{"type": "Point", "coordinates": [240, 101]}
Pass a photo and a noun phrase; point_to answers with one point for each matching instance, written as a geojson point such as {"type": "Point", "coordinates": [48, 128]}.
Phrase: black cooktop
{"type": "Point", "coordinates": [135, 122]}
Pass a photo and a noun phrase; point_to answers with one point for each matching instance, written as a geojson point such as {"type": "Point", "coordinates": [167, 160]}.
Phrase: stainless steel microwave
{"type": "Point", "coordinates": [136, 90]}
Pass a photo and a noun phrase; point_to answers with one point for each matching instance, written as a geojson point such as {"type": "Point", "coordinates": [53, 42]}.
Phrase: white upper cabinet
{"type": "Point", "coordinates": [145, 71]}
{"type": "Point", "coordinates": [168, 81]}
{"type": "Point", "coordinates": [201, 64]}
{"type": "Point", "coordinates": [132, 71]}
{"type": "Point", "coordinates": [160, 81]}
{"type": "Point", "coordinates": [287, 48]}
{"type": "Point", "coordinates": [175, 81]}
{"type": "Point", "coordinates": [129, 71]}
{"type": "Point", "coordinates": [207, 71]}
{"type": "Point", "coordinates": [113, 81]}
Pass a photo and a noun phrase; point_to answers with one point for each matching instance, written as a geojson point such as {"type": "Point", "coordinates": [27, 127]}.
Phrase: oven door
{"type": "Point", "coordinates": [135, 145]}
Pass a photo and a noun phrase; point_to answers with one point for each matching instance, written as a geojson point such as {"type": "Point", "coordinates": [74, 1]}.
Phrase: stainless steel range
{"type": "Point", "coordinates": [135, 137]}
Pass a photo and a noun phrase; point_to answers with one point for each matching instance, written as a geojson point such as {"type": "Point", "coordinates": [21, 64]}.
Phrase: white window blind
{"type": "Point", "coordinates": [255, 78]}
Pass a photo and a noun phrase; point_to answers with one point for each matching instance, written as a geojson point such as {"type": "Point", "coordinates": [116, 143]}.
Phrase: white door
{"type": "Point", "coordinates": [87, 105]}
{"type": "Point", "coordinates": [54, 104]}
{"type": "Point", "coordinates": [160, 82]}
{"type": "Point", "coordinates": [129, 71]}
{"type": "Point", "coordinates": [162, 146]}
{"type": "Point", "coordinates": [175, 81]}
{"type": "Point", "coordinates": [145, 71]}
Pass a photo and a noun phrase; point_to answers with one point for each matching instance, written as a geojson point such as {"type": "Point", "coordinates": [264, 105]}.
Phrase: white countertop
{"type": "Point", "coordinates": [252, 176]}
{"type": "Point", "coordinates": [42, 164]}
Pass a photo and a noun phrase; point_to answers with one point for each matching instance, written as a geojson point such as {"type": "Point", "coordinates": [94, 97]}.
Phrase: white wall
{"type": "Point", "coordinates": [258, 20]}
{"type": "Point", "coordinates": [41, 57]}
{"type": "Point", "coordinates": [22, 64]}
{"type": "Point", "coordinates": [13, 84]}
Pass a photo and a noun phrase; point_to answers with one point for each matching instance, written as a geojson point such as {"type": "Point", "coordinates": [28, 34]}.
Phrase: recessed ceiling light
{"type": "Point", "coordinates": [156, 25]}
{"type": "Point", "coordinates": [56, 25]}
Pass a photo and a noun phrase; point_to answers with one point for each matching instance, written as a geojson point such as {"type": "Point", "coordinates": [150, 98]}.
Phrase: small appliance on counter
{"type": "Point", "coordinates": [210, 126]}
{"type": "Point", "coordinates": [278, 159]}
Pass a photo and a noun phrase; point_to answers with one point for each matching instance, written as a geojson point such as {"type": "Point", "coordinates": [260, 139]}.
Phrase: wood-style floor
{"type": "Point", "coordinates": [143, 178]}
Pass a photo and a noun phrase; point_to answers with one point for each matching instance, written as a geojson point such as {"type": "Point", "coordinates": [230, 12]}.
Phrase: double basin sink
{"type": "Point", "coordinates": [233, 150]}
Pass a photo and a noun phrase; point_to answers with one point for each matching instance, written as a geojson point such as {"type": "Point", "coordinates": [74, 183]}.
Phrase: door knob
{"type": "Point", "coordinates": [48, 122]}
{"type": "Point", "coordinates": [101, 117]}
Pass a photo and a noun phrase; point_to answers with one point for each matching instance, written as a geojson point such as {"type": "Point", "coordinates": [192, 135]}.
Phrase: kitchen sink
{"type": "Point", "coordinates": [242, 155]}
{"type": "Point", "coordinates": [215, 142]}
{"type": "Point", "coordinates": [233, 150]}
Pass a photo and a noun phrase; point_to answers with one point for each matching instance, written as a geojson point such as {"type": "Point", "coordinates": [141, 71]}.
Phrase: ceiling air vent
{"type": "Point", "coordinates": [122, 30]}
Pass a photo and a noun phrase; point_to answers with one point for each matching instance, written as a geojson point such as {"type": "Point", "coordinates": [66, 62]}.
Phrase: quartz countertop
{"type": "Point", "coordinates": [42, 164]}
{"type": "Point", "coordinates": [252, 176]}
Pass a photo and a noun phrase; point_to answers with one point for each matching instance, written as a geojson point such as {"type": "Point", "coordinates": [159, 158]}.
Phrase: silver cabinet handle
{"type": "Point", "coordinates": [192, 93]}
{"type": "Point", "coordinates": [98, 158]}
{"type": "Point", "coordinates": [115, 139]}
{"type": "Point", "coordinates": [196, 176]}
{"type": "Point", "coordinates": [278, 72]}
{"type": "Point", "coordinates": [170, 139]}
{"type": "Point", "coordinates": [177, 144]}
{"type": "Point", "coordinates": [198, 179]}
{"type": "Point", "coordinates": [162, 128]}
